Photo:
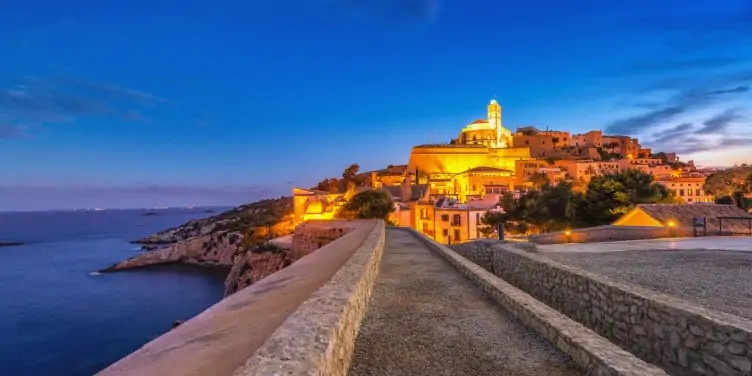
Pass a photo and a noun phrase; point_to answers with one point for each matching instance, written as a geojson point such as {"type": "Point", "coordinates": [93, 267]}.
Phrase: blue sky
{"type": "Point", "coordinates": [166, 102]}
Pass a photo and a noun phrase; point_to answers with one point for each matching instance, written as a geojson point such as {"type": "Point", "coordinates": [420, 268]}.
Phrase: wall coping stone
{"type": "Point", "coordinates": [595, 354]}
{"type": "Point", "coordinates": [319, 337]}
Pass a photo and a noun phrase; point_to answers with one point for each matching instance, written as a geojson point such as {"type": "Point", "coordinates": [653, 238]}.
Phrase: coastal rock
{"type": "Point", "coordinates": [210, 250]}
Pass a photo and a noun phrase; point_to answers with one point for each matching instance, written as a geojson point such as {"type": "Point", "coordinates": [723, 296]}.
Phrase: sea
{"type": "Point", "coordinates": [60, 317]}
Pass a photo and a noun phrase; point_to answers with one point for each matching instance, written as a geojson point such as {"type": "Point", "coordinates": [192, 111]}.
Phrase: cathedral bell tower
{"type": "Point", "coordinates": [494, 119]}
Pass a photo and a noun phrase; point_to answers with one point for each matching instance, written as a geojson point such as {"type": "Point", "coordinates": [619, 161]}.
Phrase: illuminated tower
{"type": "Point", "coordinates": [494, 119]}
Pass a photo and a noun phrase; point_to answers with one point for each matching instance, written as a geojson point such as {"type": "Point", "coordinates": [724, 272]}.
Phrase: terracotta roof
{"type": "Point", "coordinates": [480, 121]}
{"type": "Point", "coordinates": [683, 214]}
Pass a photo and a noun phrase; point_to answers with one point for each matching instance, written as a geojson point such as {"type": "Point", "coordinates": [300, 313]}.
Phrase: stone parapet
{"type": "Point", "coordinates": [609, 233]}
{"type": "Point", "coordinates": [319, 338]}
{"type": "Point", "coordinates": [681, 338]}
{"type": "Point", "coordinates": [303, 318]}
{"type": "Point", "coordinates": [592, 352]}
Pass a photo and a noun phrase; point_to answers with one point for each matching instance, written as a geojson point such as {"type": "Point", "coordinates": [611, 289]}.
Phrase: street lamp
{"type": "Point", "coordinates": [671, 225]}
{"type": "Point", "coordinates": [568, 233]}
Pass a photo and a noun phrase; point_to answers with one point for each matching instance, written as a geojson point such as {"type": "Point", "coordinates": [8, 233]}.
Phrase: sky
{"type": "Point", "coordinates": [219, 102]}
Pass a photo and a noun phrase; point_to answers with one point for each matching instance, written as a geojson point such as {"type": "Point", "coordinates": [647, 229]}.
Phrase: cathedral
{"type": "Point", "coordinates": [489, 132]}
{"type": "Point", "coordinates": [483, 156]}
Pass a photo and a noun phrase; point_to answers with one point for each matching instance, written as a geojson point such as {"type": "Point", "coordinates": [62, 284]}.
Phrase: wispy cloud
{"type": "Point", "coordinates": [676, 131]}
{"type": "Point", "coordinates": [719, 123]}
{"type": "Point", "coordinates": [686, 64]}
{"type": "Point", "coordinates": [423, 10]}
{"type": "Point", "coordinates": [691, 95]}
{"type": "Point", "coordinates": [11, 131]}
{"type": "Point", "coordinates": [37, 101]}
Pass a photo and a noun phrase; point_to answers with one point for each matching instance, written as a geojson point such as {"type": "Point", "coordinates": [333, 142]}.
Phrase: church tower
{"type": "Point", "coordinates": [494, 120]}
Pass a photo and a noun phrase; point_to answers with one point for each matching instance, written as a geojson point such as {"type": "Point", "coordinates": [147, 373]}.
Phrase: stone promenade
{"type": "Point", "coordinates": [425, 318]}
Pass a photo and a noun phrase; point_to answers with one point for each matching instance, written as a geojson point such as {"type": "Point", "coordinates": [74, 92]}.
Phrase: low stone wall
{"type": "Point", "coordinates": [303, 318]}
{"type": "Point", "coordinates": [593, 353]}
{"type": "Point", "coordinates": [609, 233]}
{"type": "Point", "coordinates": [319, 338]}
{"type": "Point", "coordinates": [312, 235]}
{"type": "Point", "coordinates": [679, 337]}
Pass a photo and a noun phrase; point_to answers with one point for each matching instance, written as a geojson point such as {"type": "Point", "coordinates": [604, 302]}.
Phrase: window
{"type": "Point", "coordinates": [681, 192]}
{"type": "Point", "coordinates": [456, 220]}
{"type": "Point", "coordinates": [456, 235]}
{"type": "Point", "coordinates": [445, 217]}
{"type": "Point", "coordinates": [477, 218]}
{"type": "Point", "coordinates": [689, 192]}
{"type": "Point", "coordinates": [445, 232]}
{"type": "Point", "coordinates": [423, 214]}
{"type": "Point", "coordinates": [697, 193]}
{"type": "Point", "coordinates": [474, 187]}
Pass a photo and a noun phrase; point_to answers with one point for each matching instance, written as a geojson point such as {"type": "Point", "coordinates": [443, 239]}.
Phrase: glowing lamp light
{"type": "Point", "coordinates": [567, 233]}
{"type": "Point", "coordinates": [671, 224]}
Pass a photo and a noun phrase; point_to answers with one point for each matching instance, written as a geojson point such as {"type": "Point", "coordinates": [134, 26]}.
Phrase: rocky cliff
{"type": "Point", "coordinates": [263, 261]}
{"type": "Point", "coordinates": [236, 241]}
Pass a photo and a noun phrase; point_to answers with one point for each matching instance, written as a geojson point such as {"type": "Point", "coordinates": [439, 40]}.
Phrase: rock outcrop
{"type": "Point", "coordinates": [208, 250]}
{"type": "Point", "coordinates": [261, 262]}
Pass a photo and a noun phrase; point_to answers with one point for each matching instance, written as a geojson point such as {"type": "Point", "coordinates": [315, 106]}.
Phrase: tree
{"type": "Point", "coordinates": [350, 172]}
{"type": "Point", "coordinates": [548, 209]}
{"type": "Point", "coordinates": [539, 180]}
{"type": "Point", "coordinates": [732, 183]}
{"type": "Point", "coordinates": [490, 222]}
{"type": "Point", "coordinates": [367, 205]}
{"type": "Point", "coordinates": [328, 185]}
{"type": "Point", "coordinates": [612, 195]}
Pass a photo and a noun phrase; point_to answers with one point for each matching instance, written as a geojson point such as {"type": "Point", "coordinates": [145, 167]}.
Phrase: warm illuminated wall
{"type": "Point", "coordinates": [454, 159]}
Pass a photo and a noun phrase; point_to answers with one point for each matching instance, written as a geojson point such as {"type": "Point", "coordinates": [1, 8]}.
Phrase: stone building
{"type": "Point", "coordinates": [688, 188]}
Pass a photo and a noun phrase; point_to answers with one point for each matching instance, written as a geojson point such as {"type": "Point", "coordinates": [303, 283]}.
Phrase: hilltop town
{"type": "Point", "coordinates": [445, 189]}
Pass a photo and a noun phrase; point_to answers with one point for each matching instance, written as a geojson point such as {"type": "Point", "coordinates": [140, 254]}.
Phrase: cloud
{"type": "Point", "coordinates": [676, 131]}
{"type": "Point", "coordinates": [689, 98]}
{"type": "Point", "coordinates": [747, 142]}
{"type": "Point", "coordinates": [736, 90]}
{"type": "Point", "coordinates": [37, 101]}
{"type": "Point", "coordinates": [673, 65]}
{"type": "Point", "coordinates": [424, 10]}
{"type": "Point", "coordinates": [11, 131]}
{"type": "Point", "coordinates": [718, 123]}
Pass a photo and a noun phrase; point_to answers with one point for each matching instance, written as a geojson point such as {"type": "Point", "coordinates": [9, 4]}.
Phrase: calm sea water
{"type": "Point", "coordinates": [59, 318]}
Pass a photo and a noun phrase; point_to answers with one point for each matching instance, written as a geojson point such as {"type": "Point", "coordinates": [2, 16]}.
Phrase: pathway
{"type": "Point", "coordinates": [424, 318]}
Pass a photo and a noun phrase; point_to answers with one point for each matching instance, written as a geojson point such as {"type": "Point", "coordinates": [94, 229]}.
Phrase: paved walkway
{"type": "Point", "coordinates": [728, 243]}
{"type": "Point", "coordinates": [424, 318]}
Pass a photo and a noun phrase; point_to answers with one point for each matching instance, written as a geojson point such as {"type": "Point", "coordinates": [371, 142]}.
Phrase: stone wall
{"type": "Point", "coordinates": [595, 354]}
{"type": "Point", "coordinates": [302, 319]}
{"type": "Point", "coordinates": [251, 266]}
{"type": "Point", "coordinates": [679, 337]}
{"type": "Point", "coordinates": [319, 338]}
{"type": "Point", "coordinates": [609, 233]}
{"type": "Point", "coordinates": [313, 235]}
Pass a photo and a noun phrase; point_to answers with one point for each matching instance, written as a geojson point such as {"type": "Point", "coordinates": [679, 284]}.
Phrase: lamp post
{"type": "Point", "coordinates": [568, 234]}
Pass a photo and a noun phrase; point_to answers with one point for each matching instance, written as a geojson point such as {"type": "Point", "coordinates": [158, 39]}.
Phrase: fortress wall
{"type": "Point", "coordinates": [681, 338]}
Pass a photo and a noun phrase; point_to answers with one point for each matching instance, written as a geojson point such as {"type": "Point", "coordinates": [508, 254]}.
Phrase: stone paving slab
{"type": "Point", "coordinates": [425, 318]}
